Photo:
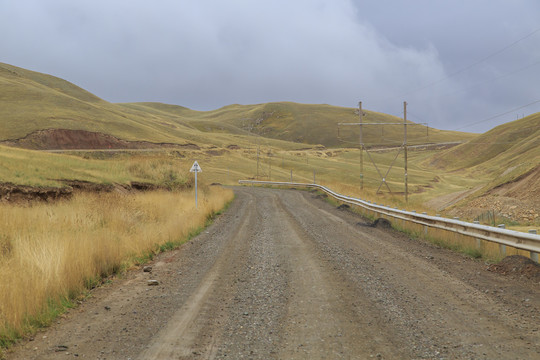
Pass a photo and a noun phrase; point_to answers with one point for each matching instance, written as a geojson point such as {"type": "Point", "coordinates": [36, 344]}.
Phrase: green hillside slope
{"type": "Point", "coordinates": [31, 101]}
{"type": "Point", "coordinates": [508, 157]}
{"type": "Point", "coordinates": [307, 123]}
{"type": "Point", "coordinates": [514, 144]}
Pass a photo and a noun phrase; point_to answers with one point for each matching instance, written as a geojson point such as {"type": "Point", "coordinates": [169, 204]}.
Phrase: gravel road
{"type": "Point", "coordinates": [284, 275]}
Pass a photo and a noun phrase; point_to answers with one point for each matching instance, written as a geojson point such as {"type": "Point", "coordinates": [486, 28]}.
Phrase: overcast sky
{"type": "Point", "coordinates": [457, 63]}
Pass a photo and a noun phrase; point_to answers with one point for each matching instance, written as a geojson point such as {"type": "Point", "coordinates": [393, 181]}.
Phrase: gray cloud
{"type": "Point", "coordinates": [206, 54]}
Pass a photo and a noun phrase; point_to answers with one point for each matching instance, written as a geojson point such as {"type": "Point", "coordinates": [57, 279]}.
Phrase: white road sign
{"type": "Point", "coordinates": [195, 167]}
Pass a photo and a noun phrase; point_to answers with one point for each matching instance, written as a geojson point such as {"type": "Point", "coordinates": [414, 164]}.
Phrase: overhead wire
{"type": "Point", "coordinates": [465, 68]}
{"type": "Point", "coordinates": [494, 79]}
{"type": "Point", "coordinates": [498, 115]}
{"type": "Point", "coordinates": [459, 71]}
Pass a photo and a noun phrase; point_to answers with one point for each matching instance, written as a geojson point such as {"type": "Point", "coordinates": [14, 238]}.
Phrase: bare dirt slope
{"type": "Point", "coordinates": [66, 139]}
{"type": "Point", "coordinates": [283, 275]}
{"type": "Point", "coordinates": [518, 200]}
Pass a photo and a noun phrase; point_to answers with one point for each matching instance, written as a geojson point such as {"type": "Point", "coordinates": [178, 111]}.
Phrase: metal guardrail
{"type": "Point", "coordinates": [519, 240]}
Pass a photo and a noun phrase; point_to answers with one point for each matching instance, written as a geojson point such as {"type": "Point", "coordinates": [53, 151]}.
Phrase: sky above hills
{"type": "Point", "coordinates": [460, 65]}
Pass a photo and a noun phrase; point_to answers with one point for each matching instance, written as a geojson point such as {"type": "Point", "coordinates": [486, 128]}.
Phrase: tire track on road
{"type": "Point", "coordinates": [327, 317]}
{"type": "Point", "coordinates": [183, 335]}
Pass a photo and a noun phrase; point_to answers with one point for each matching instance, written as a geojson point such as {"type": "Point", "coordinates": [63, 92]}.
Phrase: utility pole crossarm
{"type": "Point", "coordinates": [408, 124]}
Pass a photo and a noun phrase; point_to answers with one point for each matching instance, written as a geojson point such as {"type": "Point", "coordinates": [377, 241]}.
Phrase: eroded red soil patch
{"type": "Point", "coordinates": [13, 193]}
{"type": "Point", "coordinates": [21, 193]}
{"type": "Point", "coordinates": [65, 139]}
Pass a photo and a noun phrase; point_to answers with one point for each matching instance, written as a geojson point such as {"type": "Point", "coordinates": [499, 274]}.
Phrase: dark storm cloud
{"type": "Point", "coordinates": [206, 54]}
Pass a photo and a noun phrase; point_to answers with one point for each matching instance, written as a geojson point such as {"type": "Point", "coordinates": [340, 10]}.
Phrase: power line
{"type": "Point", "coordinates": [473, 64]}
{"type": "Point", "coordinates": [498, 115]}
{"type": "Point", "coordinates": [494, 79]}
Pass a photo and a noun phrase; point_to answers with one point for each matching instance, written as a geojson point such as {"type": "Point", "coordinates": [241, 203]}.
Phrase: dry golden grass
{"type": "Point", "coordinates": [52, 253]}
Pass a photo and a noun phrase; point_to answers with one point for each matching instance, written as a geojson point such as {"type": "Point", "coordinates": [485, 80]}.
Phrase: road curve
{"type": "Point", "coordinates": [285, 275]}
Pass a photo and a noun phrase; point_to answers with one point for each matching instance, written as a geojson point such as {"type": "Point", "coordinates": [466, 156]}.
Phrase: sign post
{"type": "Point", "coordinates": [195, 168]}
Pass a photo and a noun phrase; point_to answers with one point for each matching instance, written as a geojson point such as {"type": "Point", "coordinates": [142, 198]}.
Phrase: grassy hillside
{"type": "Point", "coordinates": [35, 168]}
{"type": "Point", "coordinates": [513, 147]}
{"type": "Point", "coordinates": [305, 123]}
{"type": "Point", "coordinates": [32, 101]}
{"type": "Point", "coordinates": [508, 159]}
{"type": "Point", "coordinates": [228, 139]}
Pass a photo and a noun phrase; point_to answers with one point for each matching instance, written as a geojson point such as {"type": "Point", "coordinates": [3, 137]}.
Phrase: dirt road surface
{"type": "Point", "coordinates": [285, 275]}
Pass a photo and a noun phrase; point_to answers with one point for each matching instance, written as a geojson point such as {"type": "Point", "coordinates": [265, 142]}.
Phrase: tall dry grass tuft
{"type": "Point", "coordinates": [51, 253]}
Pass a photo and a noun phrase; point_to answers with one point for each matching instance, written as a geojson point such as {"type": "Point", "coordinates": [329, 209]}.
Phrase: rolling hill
{"type": "Point", "coordinates": [305, 123]}
{"type": "Point", "coordinates": [509, 157]}
{"type": "Point", "coordinates": [32, 101]}
{"type": "Point", "coordinates": [506, 152]}
{"type": "Point", "coordinates": [40, 111]}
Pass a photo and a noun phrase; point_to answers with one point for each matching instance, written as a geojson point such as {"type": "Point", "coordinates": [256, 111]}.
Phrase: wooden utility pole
{"type": "Point", "coordinates": [269, 165]}
{"type": "Point", "coordinates": [361, 147]}
{"type": "Point", "coordinates": [258, 151]}
{"type": "Point", "coordinates": [405, 149]}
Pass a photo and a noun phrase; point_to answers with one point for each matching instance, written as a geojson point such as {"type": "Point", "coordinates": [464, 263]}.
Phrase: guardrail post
{"type": "Point", "coordinates": [478, 241]}
{"type": "Point", "coordinates": [534, 255]}
{"type": "Point", "coordinates": [502, 248]}
{"type": "Point", "coordinates": [425, 226]}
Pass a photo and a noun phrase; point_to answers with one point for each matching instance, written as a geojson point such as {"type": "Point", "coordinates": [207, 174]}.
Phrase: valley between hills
{"type": "Point", "coordinates": [493, 177]}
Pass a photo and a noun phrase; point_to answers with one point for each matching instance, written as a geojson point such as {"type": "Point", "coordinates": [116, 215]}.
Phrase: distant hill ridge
{"type": "Point", "coordinates": [305, 123]}
{"type": "Point", "coordinates": [32, 101]}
